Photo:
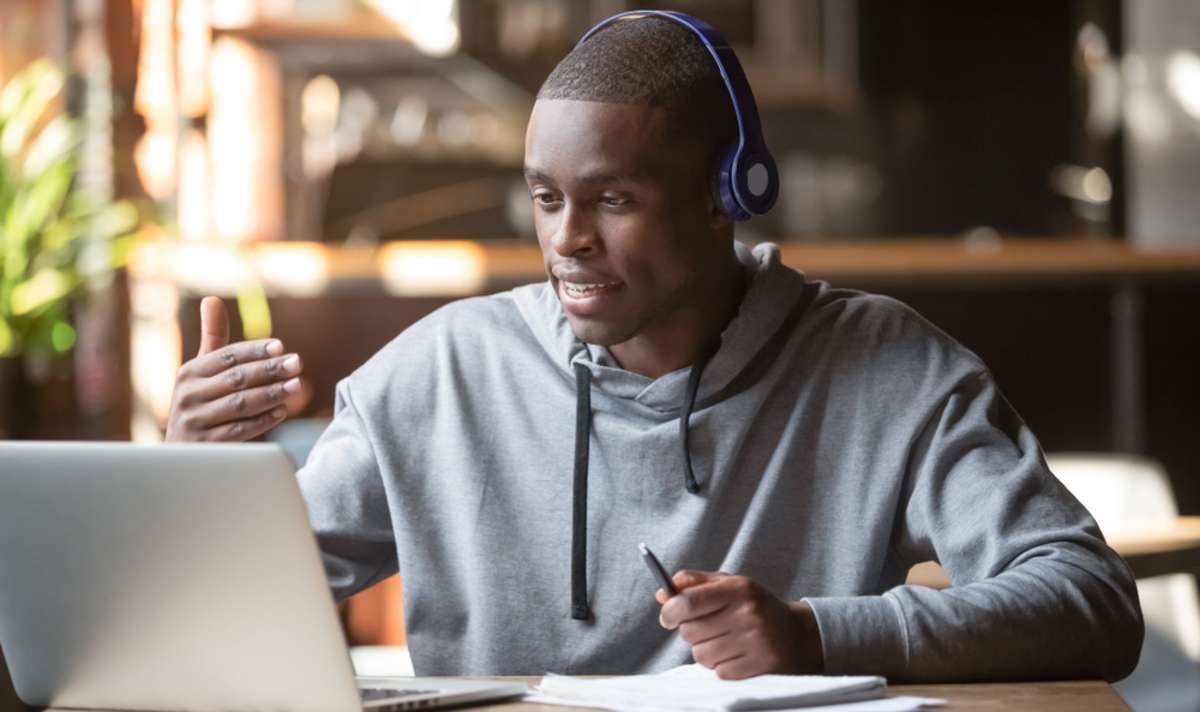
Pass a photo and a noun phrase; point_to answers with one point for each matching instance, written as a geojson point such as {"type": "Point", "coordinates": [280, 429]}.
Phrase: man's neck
{"type": "Point", "coordinates": [695, 329]}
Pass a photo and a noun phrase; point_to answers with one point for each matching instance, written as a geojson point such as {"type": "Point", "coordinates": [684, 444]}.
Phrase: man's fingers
{"type": "Point", "coordinates": [705, 628]}
{"type": "Point", "coordinates": [699, 600]}
{"type": "Point", "coordinates": [240, 405]}
{"type": "Point", "coordinates": [214, 325]}
{"type": "Point", "coordinates": [281, 369]}
{"type": "Point", "coordinates": [739, 668]}
{"type": "Point", "coordinates": [718, 651]}
{"type": "Point", "coordinates": [685, 579]}
{"type": "Point", "coordinates": [247, 428]}
{"type": "Point", "coordinates": [691, 577]}
{"type": "Point", "coordinates": [214, 362]}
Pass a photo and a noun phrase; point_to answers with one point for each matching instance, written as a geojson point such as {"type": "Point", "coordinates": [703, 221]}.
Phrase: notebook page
{"type": "Point", "coordinates": [694, 687]}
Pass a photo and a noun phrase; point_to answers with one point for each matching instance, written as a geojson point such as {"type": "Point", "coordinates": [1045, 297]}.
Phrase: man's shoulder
{"type": "Point", "coordinates": [465, 329]}
{"type": "Point", "coordinates": [857, 310]}
{"type": "Point", "coordinates": [464, 322]}
{"type": "Point", "coordinates": [472, 316]}
{"type": "Point", "coordinates": [867, 328]}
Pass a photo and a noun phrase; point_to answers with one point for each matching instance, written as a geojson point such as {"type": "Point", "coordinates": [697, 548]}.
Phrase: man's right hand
{"type": "Point", "coordinates": [230, 392]}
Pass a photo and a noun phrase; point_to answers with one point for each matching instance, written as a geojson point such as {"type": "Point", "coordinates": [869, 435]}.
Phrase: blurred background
{"type": "Point", "coordinates": [1025, 175]}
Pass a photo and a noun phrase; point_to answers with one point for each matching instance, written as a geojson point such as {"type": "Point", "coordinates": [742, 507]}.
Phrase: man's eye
{"type": "Point", "coordinates": [614, 201]}
{"type": "Point", "coordinates": [545, 198]}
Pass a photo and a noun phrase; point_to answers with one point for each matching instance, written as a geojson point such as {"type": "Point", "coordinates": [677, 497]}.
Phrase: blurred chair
{"type": "Point", "coordinates": [1129, 494]}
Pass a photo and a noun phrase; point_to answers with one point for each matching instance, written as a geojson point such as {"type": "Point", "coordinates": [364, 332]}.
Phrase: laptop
{"type": "Point", "coordinates": [181, 577]}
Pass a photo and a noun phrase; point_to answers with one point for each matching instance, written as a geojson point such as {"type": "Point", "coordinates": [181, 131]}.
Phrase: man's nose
{"type": "Point", "coordinates": [576, 232]}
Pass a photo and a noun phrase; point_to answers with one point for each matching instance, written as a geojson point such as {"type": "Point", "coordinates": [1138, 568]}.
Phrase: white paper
{"type": "Point", "coordinates": [694, 687]}
{"type": "Point", "coordinates": [883, 704]}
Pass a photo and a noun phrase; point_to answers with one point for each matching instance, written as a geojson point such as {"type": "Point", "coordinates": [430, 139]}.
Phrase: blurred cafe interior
{"type": "Point", "coordinates": [1026, 175]}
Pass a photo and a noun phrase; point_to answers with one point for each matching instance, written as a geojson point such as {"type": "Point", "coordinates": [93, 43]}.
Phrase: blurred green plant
{"type": "Point", "coordinates": [55, 237]}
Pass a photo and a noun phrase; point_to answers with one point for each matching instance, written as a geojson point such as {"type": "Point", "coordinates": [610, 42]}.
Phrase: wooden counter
{"type": "Point", "coordinates": [456, 268]}
{"type": "Point", "coordinates": [1171, 550]}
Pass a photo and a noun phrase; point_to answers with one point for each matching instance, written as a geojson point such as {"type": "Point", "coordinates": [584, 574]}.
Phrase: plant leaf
{"type": "Point", "coordinates": [43, 289]}
{"type": "Point", "coordinates": [34, 207]}
{"type": "Point", "coordinates": [17, 89]}
{"type": "Point", "coordinates": [38, 85]}
{"type": "Point", "coordinates": [53, 144]}
{"type": "Point", "coordinates": [114, 219]}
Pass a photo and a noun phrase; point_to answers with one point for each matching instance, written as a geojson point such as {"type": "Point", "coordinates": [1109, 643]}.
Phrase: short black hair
{"type": "Point", "coordinates": [651, 61]}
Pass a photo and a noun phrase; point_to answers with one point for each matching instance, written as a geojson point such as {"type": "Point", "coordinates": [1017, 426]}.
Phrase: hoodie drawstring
{"type": "Point", "coordinates": [580, 610]}
{"type": "Point", "coordinates": [583, 417]}
{"type": "Point", "coordinates": [689, 401]}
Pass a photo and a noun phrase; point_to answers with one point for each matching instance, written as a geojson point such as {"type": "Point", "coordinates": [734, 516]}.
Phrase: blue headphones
{"type": "Point", "coordinates": [747, 179]}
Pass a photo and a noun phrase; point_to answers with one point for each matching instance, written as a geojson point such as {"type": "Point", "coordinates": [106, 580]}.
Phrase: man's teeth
{"type": "Point", "coordinates": [577, 289]}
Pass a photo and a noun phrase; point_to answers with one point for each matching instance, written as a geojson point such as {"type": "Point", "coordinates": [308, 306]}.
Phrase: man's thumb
{"type": "Point", "coordinates": [214, 325]}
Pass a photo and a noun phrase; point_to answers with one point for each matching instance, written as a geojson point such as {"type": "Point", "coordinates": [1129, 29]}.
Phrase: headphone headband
{"type": "Point", "coordinates": [747, 180]}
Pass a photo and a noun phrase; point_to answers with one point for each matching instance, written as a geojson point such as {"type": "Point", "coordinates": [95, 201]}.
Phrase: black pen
{"type": "Point", "coordinates": [656, 568]}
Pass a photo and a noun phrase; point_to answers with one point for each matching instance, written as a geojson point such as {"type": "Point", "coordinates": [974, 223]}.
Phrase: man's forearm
{"type": "Point", "coordinates": [1063, 613]}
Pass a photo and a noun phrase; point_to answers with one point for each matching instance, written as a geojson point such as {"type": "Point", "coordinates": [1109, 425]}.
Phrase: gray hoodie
{"type": "Point", "coordinates": [836, 439]}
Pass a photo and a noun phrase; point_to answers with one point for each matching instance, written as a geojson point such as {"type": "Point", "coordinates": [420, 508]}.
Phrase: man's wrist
{"type": "Point", "coordinates": [809, 651]}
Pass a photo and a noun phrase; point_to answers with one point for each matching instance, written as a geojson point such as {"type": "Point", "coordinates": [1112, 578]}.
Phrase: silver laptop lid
{"type": "Point", "coordinates": [164, 577]}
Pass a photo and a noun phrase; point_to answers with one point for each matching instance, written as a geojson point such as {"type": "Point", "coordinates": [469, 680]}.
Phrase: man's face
{"type": "Point", "coordinates": [622, 216]}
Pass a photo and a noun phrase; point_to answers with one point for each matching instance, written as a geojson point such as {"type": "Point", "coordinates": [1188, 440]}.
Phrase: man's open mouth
{"type": "Point", "coordinates": [580, 290]}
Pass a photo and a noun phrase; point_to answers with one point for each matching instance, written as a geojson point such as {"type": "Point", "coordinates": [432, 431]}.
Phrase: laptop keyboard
{"type": "Point", "coordinates": [372, 694]}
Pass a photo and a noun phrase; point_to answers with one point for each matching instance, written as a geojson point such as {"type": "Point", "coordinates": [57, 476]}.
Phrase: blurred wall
{"type": "Point", "coordinates": [1162, 73]}
{"type": "Point", "coordinates": [29, 29]}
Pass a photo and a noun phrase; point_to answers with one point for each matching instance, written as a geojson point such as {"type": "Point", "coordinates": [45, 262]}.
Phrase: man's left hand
{"type": "Point", "coordinates": [738, 628]}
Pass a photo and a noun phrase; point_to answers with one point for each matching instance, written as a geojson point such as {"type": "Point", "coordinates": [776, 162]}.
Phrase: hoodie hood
{"type": "Point", "coordinates": [772, 296]}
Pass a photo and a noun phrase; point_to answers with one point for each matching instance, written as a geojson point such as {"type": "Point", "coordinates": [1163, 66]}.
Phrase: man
{"type": "Point", "coordinates": [814, 443]}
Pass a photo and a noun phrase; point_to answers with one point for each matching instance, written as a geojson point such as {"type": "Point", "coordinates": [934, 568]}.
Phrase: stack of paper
{"type": "Point", "coordinates": [694, 687]}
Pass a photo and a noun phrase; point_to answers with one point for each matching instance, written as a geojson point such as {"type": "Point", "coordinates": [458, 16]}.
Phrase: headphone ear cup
{"type": "Point", "coordinates": [722, 185]}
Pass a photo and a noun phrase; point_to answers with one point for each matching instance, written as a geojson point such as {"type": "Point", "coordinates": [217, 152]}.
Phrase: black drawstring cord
{"type": "Point", "coordinates": [580, 610]}
{"type": "Point", "coordinates": [689, 402]}
{"type": "Point", "coordinates": [583, 415]}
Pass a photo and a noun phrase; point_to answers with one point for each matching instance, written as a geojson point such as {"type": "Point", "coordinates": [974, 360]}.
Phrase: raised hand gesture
{"type": "Point", "coordinates": [230, 392]}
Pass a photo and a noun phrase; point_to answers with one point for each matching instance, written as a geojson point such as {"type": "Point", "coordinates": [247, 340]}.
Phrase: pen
{"type": "Point", "coordinates": [656, 568]}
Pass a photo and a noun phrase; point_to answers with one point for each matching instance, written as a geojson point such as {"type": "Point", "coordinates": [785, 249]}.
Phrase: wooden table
{"type": "Point", "coordinates": [1081, 696]}
{"type": "Point", "coordinates": [1171, 550]}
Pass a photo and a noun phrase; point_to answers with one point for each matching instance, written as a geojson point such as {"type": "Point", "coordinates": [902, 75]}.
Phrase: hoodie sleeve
{"type": "Point", "coordinates": [1036, 593]}
{"type": "Point", "coordinates": [347, 506]}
